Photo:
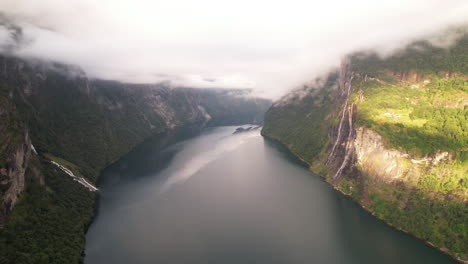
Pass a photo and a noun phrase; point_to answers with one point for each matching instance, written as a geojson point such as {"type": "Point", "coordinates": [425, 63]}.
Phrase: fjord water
{"type": "Point", "coordinates": [234, 198]}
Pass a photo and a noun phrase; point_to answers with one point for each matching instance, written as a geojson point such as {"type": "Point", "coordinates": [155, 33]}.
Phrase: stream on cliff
{"type": "Point", "coordinates": [224, 198]}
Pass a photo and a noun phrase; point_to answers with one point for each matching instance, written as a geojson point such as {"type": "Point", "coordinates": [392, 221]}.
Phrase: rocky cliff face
{"type": "Point", "coordinates": [83, 125]}
{"type": "Point", "coordinates": [392, 136]}
{"type": "Point", "coordinates": [13, 172]}
{"type": "Point", "coordinates": [68, 114]}
{"type": "Point", "coordinates": [376, 160]}
{"type": "Point", "coordinates": [16, 151]}
{"type": "Point", "coordinates": [92, 122]}
{"type": "Point", "coordinates": [15, 156]}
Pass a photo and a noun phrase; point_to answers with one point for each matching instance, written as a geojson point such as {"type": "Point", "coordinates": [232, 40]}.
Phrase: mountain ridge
{"type": "Point", "coordinates": [391, 133]}
{"type": "Point", "coordinates": [84, 125]}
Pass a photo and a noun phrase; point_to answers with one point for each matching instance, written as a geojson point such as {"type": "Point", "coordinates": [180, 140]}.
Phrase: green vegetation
{"type": "Point", "coordinates": [421, 57]}
{"type": "Point", "coordinates": [86, 125]}
{"type": "Point", "coordinates": [94, 129]}
{"type": "Point", "coordinates": [298, 122]}
{"type": "Point", "coordinates": [72, 167]}
{"type": "Point", "coordinates": [49, 222]}
{"type": "Point", "coordinates": [434, 218]}
{"type": "Point", "coordinates": [449, 178]}
{"type": "Point", "coordinates": [422, 119]}
{"type": "Point", "coordinates": [417, 100]}
{"type": "Point", "coordinates": [435, 210]}
{"type": "Point", "coordinates": [422, 113]}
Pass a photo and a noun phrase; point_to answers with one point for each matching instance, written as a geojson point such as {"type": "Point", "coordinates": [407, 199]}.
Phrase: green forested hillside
{"type": "Point", "coordinates": [49, 222]}
{"type": "Point", "coordinates": [417, 102]}
{"type": "Point", "coordinates": [297, 121]}
{"type": "Point", "coordinates": [84, 125]}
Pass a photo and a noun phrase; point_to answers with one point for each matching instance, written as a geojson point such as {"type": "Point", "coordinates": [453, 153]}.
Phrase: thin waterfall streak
{"type": "Point", "coordinates": [78, 179]}
{"type": "Point", "coordinates": [348, 144]}
{"type": "Point", "coordinates": [339, 131]}
{"type": "Point", "coordinates": [348, 83]}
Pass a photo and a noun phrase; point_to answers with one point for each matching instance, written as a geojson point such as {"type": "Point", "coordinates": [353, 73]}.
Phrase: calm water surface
{"type": "Point", "coordinates": [223, 198]}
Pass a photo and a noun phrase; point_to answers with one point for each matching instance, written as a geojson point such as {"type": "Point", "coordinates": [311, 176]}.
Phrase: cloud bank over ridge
{"type": "Point", "coordinates": [270, 46]}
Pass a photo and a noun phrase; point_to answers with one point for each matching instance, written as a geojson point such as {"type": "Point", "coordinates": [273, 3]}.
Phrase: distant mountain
{"type": "Point", "coordinates": [83, 125]}
{"type": "Point", "coordinates": [391, 133]}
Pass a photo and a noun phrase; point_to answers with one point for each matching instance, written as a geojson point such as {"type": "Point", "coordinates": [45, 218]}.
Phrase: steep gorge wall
{"type": "Point", "coordinates": [397, 144]}
{"type": "Point", "coordinates": [84, 125]}
{"type": "Point", "coordinates": [15, 148]}
{"type": "Point", "coordinates": [92, 122]}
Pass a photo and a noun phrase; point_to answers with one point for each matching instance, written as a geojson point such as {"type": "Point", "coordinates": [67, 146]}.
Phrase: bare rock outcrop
{"type": "Point", "coordinates": [375, 159]}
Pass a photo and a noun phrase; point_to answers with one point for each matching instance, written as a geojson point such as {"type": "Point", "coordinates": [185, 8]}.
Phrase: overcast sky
{"type": "Point", "coordinates": [271, 46]}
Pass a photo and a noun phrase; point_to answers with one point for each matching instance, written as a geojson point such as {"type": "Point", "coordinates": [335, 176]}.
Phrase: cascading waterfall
{"type": "Point", "coordinates": [340, 126]}
{"type": "Point", "coordinates": [348, 110]}
{"type": "Point", "coordinates": [349, 143]}
{"type": "Point", "coordinates": [33, 149]}
{"type": "Point", "coordinates": [80, 180]}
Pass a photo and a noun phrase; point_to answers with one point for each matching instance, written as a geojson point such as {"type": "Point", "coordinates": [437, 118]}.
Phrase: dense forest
{"type": "Point", "coordinates": [83, 125]}
{"type": "Point", "coordinates": [417, 101]}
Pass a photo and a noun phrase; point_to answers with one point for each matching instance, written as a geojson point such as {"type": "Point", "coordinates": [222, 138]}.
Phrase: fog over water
{"type": "Point", "coordinates": [224, 198]}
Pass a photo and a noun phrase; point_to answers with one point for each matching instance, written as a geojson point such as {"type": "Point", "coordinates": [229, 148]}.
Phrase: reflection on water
{"type": "Point", "coordinates": [223, 198]}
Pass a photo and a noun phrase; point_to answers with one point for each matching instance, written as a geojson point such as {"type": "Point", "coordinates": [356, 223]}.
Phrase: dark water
{"type": "Point", "coordinates": [223, 198]}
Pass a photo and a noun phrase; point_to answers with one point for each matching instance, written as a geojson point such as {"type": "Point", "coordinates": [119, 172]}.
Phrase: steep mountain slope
{"type": "Point", "coordinates": [393, 134]}
{"type": "Point", "coordinates": [83, 125]}
{"type": "Point", "coordinates": [15, 149]}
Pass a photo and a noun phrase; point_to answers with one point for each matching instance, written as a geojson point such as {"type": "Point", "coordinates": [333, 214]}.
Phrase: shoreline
{"type": "Point", "coordinates": [165, 138]}
{"type": "Point", "coordinates": [163, 134]}
{"type": "Point", "coordinates": [428, 243]}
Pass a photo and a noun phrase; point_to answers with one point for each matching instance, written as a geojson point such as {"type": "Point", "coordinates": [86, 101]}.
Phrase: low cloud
{"type": "Point", "coordinates": [270, 46]}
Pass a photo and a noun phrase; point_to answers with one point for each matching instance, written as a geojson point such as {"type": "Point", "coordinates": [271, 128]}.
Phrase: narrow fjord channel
{"type": "Point", "coordinates": [234, 198]}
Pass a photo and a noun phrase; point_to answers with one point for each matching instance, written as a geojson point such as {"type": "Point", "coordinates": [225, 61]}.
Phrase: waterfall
{"type": "Point", "coordinates": [338, 137]}
{"type": "Point", "coordinates": [80, 180]}
{"type": "Point", "coordinates": [349, 143]}
{"type": "Point", "coordinates": [348, 110]}
{"type": "Point", "coordinates": [33, 149]}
